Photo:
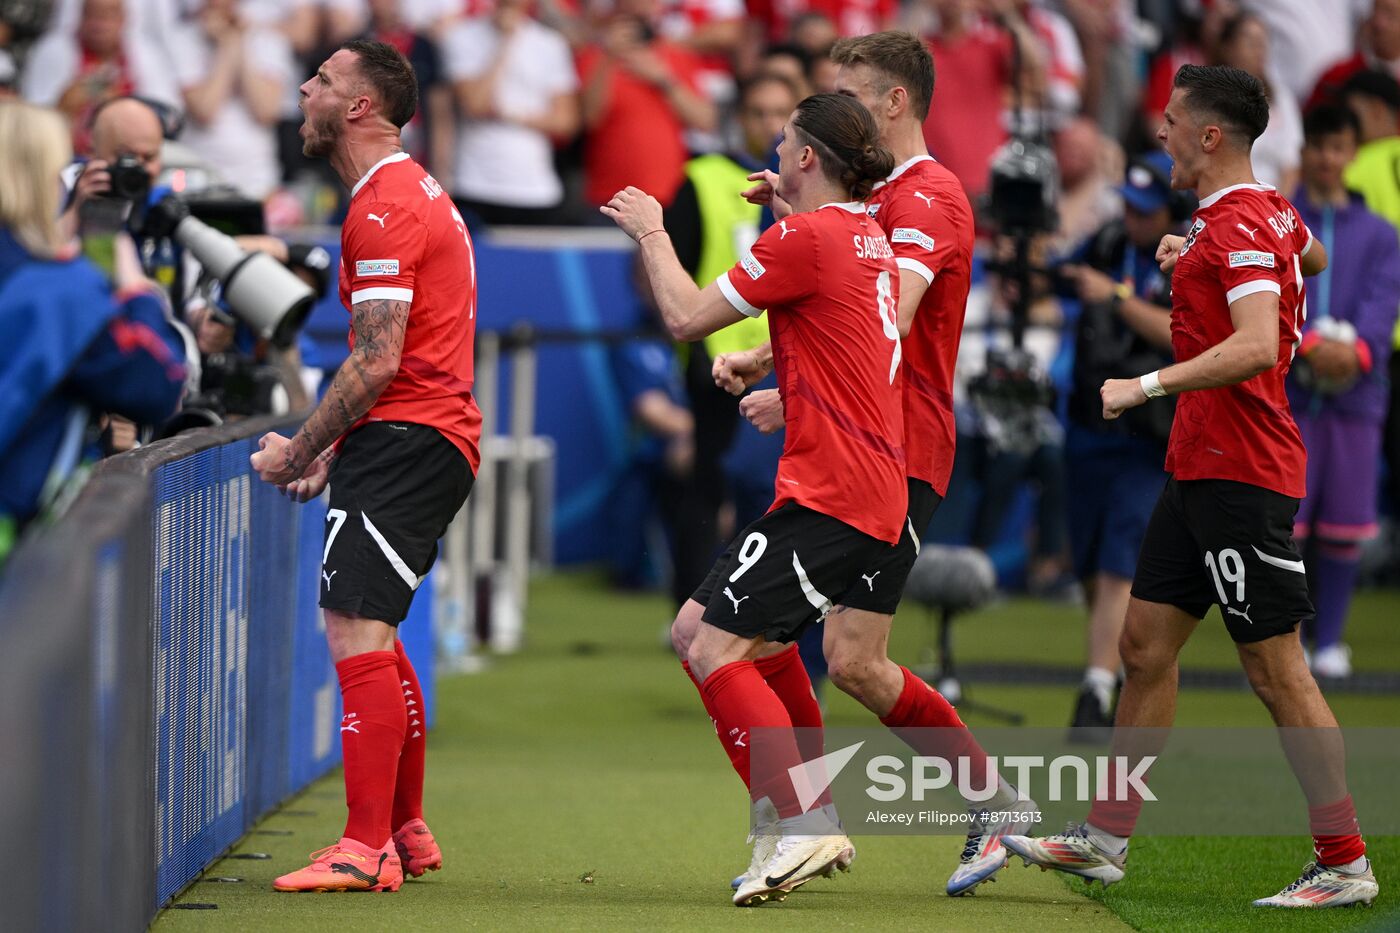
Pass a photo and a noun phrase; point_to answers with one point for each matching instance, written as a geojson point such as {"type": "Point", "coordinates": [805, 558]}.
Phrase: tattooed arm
{"type": "Point", "coordinates": [379, 326]}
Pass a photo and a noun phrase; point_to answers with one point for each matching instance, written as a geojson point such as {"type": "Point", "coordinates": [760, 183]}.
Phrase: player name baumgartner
{"type": "Point", "coordinates": [872, 247]}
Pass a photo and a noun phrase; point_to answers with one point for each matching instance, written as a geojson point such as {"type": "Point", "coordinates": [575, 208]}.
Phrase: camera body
{"type": "Point", "coordinates": [130, 180]}
{"type": "Point", "coordinates": [1025, 184]}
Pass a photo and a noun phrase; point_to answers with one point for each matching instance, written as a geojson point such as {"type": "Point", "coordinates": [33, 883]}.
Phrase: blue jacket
{"type": "Point", "coordinates": [70, 347]}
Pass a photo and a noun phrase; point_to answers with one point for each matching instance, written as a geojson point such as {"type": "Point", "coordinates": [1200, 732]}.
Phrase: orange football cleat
{"type": "Point", "coordinates": [417, 848]}
{"type": "Point", "coordinates": [347, 866]}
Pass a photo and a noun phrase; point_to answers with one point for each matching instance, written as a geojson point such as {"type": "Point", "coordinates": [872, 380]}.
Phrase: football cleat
{"type": "Point", "coordinates": [983, 855]}
{"type": "Point", "coordinates": [417, 848]}
{"type": "Point", "coordinates": [1333, 662]}
{"type": "Point", "coordinates": [764, 839]}
{"type": "Point", "coordinates": [1070, 851]}
{"type": "Point", "coordinates": [347, 866]}
{"type": "Point", "coordinates": [796, 860]}
{"type": "Point", "coordinates": [1321, 886]}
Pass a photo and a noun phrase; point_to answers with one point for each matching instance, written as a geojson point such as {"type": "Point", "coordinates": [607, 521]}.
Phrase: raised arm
{"type": "Point", "coordinates": [689, 313]}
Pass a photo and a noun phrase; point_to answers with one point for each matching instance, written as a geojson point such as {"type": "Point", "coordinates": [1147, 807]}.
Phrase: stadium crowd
{"type": "Point", "coordinates": [536, 113]}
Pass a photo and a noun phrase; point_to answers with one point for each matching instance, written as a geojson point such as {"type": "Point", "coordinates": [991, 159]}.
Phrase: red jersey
{"type": "Point", "coordinates": [1245, 239]}
{"type": "Point", "coordinates": [830, 284]}
{"type": "Point", "coordinates": [923, 209]}
{"type": "Point", "coordinates": [403, 240]}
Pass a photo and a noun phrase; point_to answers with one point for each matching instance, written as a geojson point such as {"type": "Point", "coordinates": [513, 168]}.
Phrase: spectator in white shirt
{"type": "Point", "coordinates": [233, 75]}
{"type": "Point", "coordinates": [517, 94]}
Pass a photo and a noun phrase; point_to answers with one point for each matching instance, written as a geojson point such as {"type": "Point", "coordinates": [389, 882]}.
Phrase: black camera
{"type": "Point", "coordinates": [1025, 184]}
{"type": "Point", "coordinates": [130, 180]}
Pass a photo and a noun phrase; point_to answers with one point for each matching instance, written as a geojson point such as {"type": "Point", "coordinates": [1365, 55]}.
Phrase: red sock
{"type": "Point", "coordinates": [738, 754]}
{"type": "Point", "coordinates": [408, 787]}
{"type": "Point", "coordinates": [937, 731]}
{"type": "Point", "coordinates": [786, 675]}
{"type": "Point", "coordinates": [1111, 813]}
{"type": "Point", "coordinates": [740, 702]}
{"type": "Point", "coordinates": [371, 738]}
{"type": "Point", "coordinates": [1336, 833]}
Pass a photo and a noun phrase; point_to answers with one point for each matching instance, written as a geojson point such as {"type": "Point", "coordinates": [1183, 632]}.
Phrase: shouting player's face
{"type": "Point", "coordinates": [1180, 135]}
{"type": "Point", "coordinates": [322, 105]}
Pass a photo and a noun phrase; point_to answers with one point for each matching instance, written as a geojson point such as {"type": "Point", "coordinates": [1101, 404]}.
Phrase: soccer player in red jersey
{"type": "Point", "coordinates": [1222, 531]}
{"type": "Point", "coordinates": [396, 437]}
{"type": "Point", "coordinates": [921, 205]}
{"type": "Point", "coordinates": [828, 279]}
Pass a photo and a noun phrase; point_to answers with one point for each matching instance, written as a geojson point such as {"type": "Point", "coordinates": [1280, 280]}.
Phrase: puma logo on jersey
{"type": "Point", "coordinates": [349, 722]}
{"type": "Point", "coordinates": [327, 577]}
{"type": "Point", "coordinates": [782, 225]}
{"type": "Point", "coordinates": [1242, 613]}
{"type": "Point", "coordinates": [1247, 230]}
{"type": "Point", "coordinates": [926, 198]}
{"type": "Point", "coordinates": [736, 602]}
{"type": "Point", "coordinates": [870, 580]}
{"type": "Point", "coordinates": [377, 219]}
{"type": "Point", "coordinates": [739, 742]}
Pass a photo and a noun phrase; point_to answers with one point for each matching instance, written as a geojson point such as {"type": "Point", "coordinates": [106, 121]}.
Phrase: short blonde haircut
{"type": "Point", "coordinates": [34, 150]}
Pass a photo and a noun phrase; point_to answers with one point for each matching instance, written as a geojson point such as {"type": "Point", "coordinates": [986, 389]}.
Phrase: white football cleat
{"type": "Point", "coordinates": [983, 855]}
{"type": "Point", "coordinates": [1070, 851]}
{"type": "Point", "coordinates": [764, 839]}
{"type": "Point", "coordinates": [1321, 886]}
{"type": "Point", "coordinates": [795, 861]}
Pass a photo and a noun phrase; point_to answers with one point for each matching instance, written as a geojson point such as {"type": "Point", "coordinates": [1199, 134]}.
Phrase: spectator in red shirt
{"type": "Point", "coordinates": [639, 97]}
{"type": "Point", "coordinates": [974, 60]}
{"type": "Point", "coordinates": [1379, 49]}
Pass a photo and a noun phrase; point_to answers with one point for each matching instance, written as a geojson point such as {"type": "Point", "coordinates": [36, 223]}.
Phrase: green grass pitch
{"type": "Point", "coordinates": [588, 755]}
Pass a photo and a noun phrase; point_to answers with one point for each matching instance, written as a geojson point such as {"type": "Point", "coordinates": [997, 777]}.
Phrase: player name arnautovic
{"type": "Point", "coordinates": [872, 247]}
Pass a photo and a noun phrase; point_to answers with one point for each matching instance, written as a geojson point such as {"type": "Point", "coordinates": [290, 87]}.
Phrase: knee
{"type": "Point", "coordinates": [849, 671]}
{"type": "Point", "coordinates": [1142, 657]}
{"type": "Point", "coordinates": [1274, 675]}
{"type": "Point", "coordinates": [683, 631]}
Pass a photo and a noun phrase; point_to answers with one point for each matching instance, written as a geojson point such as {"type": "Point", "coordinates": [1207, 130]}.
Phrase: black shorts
{"type": "Point", "coordinates": [1218, 541]}
{"type": "Point", "coordinates": [880, 590]}
{"type": "Point", "coordinates": [779, 575]}
{"type": "Point", "coordinates": [394, 489]}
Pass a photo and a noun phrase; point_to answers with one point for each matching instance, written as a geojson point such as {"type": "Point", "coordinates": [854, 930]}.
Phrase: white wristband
{"type": "Point", "coordinates": [1152, 384]}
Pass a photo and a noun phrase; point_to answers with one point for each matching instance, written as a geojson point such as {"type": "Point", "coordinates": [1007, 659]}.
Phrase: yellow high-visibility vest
{"type": "Point", "coordinates": [728, 227]}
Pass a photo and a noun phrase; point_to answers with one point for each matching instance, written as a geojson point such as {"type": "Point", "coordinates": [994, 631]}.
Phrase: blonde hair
{"type": "Point", "coordinates": [34, 149]}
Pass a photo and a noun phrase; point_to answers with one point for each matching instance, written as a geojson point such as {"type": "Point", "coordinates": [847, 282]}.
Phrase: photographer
{"type": "Point", "coordinates": [71, 347]}
{"type": "Point", "coordinates": [231, 370]}
{"type": "Point", "coordinates": [1115, 467]}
